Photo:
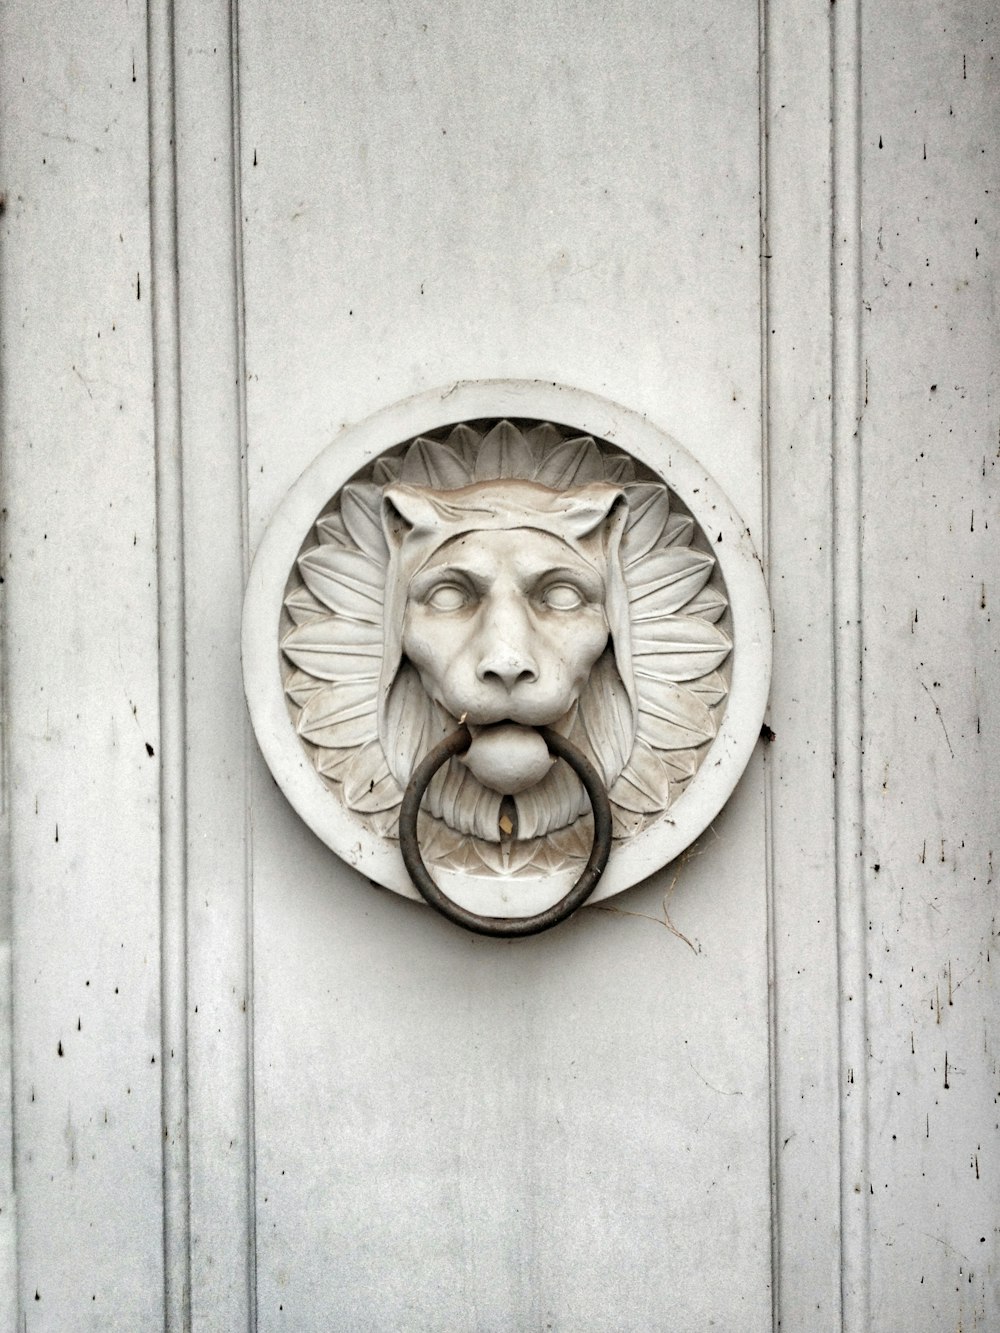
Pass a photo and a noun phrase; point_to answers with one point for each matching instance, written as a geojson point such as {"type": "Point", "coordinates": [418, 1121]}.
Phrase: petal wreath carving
{"type": "Point", "coordinates": [331, 530]}
{"type": "Point", "coordinates": [414, 724]}
{"type": "Point", "coordinates": [368, 784]}
{"type": "Point", "coordinates": [503, 453]}
{"type": "Point", "coordinates": [335, 649]}
{"type": "Point", "coordinates": [345, 581]}
{"type": "Point", "coordinates": [339, 715]}
{"type": "Point", "coordinates": [618, 467]}
{"type": "Point", "coordinates": [385, 470]}
{"type": "Point", "coordinates": [672, 717]}
{"type": "Point", "coordinates": [709, 604]}
{"type": "Point", "coordinates": [679, 530]}
{"type": "Point", "coordinates": [571, 463]}
{"type": "Point", "coordinates": [605, 717]}
{"type": "Point", "coordinates": [335, 764]}
{"type": "Point", "coordinates": [682, 765]}
{"type": "Point", "coordinates": [666, 580]}
{"type": "Point", "coordinates": [644, 784]}
{"type": "Point", "coordinates": [649, 509]}
{"type": "Point", "coordinates": [303, 606]}
{"type": "Point", "coordinates": [679, 647]}
{"type": "Point", "coordinates": [301, 686]}
{"type": "Point", "coordinates": [542, 439]}
{"type": "Point", "coordinates": [674, 604]}
{"type": "Point", "coordinates": [465, 441]}
{"type": "Point", "coordinates": [711, 688]}
{"type": "Point", "coordinates": [361, 511]}
{"type": "Point", "coordinates": [434, 463]}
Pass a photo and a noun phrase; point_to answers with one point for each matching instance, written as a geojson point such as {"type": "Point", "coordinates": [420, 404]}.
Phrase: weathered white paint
{"type": "Point", "coordinates": [449, 1147]}
{"type": "Point", "coordinates": [81, 701]}
{"type": "Point", "coordinates": [931, 444]}
{"type": "Point", "coordinates": [457, 1121]}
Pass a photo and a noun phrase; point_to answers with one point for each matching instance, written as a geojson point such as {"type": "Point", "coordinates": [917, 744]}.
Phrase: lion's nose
{"type": "Point", "coordinates": [506, 665]}
{"type": "Point", "coordinates": [505, 651]}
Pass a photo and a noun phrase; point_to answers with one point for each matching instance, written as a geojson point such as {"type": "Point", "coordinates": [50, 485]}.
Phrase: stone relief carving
{"type": "Point", "coordinates": [508, 576]}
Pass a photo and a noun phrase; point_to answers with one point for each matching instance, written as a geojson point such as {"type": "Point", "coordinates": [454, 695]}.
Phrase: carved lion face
{"type": "Point", "coordinates": [502, 597]}
{"type": "Point", "coordinates": [505, 626]}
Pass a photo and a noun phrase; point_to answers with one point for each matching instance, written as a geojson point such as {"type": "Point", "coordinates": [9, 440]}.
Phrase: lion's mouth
{"type": "Point", "coordinates": [508, 757]}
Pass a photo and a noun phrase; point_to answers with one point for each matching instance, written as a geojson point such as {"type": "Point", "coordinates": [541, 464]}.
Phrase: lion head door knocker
{"type": "Point", "coordinates": [504, 662]}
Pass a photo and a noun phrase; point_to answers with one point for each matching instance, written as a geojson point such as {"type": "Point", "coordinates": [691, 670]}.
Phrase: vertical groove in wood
{"type": "Point", "coordinates": [9, 1287]}
{"type": "Point", "coordinates": [8, 1199]}
{"type": "Point", "coordinates": [248, 743]}
{"type": "Point", "coordinates": [170, 576]}
{"type": "Point", "coordinates": [763, 102]}
{"type": "Point", "coordinates": [847, 656]}
{"type": "Point", "coordinates": [219, 984]}
{"type": "Point", "coordinates": [804, 1055]}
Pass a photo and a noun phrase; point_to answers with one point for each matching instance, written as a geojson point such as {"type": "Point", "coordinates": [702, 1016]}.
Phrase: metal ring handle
{"type": "Point", "coordinates": [500, 925]}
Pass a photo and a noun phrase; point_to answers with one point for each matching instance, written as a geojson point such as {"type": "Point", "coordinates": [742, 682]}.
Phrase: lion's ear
{"type": "Point", "coordinates": [403, 509]}
{"type": "Point", "coordinates": [588, 507]}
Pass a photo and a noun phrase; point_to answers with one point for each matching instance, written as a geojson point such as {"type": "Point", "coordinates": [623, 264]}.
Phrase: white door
{"type": "Point", "coordinates": [250, 1089]}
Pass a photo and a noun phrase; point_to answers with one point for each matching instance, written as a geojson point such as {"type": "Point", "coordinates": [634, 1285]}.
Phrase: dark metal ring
{"type": "Point", "coordinates": [499, 925]}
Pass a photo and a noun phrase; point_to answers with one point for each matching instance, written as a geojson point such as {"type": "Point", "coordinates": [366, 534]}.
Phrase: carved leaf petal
{"type": "Point", "coordinates": [414, 724]}
{"type": "Point", "coordinates": [504, 453]}
{"type": "Point", "coordinates": [575, 841]}
{"type": "Point", "coordinates": [679, 648]}
{"type": "Point", "coordinates": [682, 765]}
{"type": "Point", "coordinates": [624, 823]}
{"type": "Point", "coordinates": [710, 604]}
{"type": "Point", "coordinates": [385, 470]}
{"type": "Point", "coordinates": [434, 463]}
{"type": "Point", "coordinates": [466, 441]}
{"type": "Point", "coordinates": [368, 784]}
{"type": "Point", "coordinates": [302, 606]}
{"type": "Point", "coordinates": [436, 839]}
{"type": "Point", "coordinates": [330, 528]}
{"type": "Point", "coordinates": [667, 580]}
{"type": "Point", "coordinates": [491, 855]}
{"type": "Point", "coordinates": [345, 581]}
{"type": "Point", "coordinates": [605, 716]}
{"type": "Point", "coordinates": [618, 467]}
{"type": "Point", "coordinates": [361, 511]}
{"type": "Point", "coordinates": [671, 717]}
{"type": "Point", "coordinates": [465, 857]}
{"type": "Point", "coordinates": [340, 715]}
{"type": "Point", "coordinates": [546, 860]}
{"type": "Point", "coordinates": [571, 463]}
{"type": "Point", "coordinates": [542, 440]}
{"type": "Point", "coordinates": [385, 822]}
{"type": "Point", "coordinates": [644, 785]}
{"type": "Point", "coordinates": [649, 509]}
{"type": "Point", "coordinates": [522, 854]}
{"type": "Point", "coordinates": [679, 530]}
{"type": "Point", "coordinates": [299, 686]}
{"type": "Point", "coordinates": [334, 763]}
{"type": "Point", "coordinates": [335, 647]}
{"type": "Point", "coordinates": [711, 688]}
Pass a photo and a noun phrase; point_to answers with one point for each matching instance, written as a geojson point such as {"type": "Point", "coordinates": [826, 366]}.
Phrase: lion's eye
{"type": "Point", "coordinates": [562, 597]}
{"type": "Point", "coordinates": [448, 597]}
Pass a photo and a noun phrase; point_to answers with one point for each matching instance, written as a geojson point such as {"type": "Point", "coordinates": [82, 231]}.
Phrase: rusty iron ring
{"type": "Point", "coordinates": [507, 927]}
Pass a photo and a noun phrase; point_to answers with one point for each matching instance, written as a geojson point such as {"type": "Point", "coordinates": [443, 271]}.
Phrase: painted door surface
{"type": "Point", "coordinates": [249, 1089]}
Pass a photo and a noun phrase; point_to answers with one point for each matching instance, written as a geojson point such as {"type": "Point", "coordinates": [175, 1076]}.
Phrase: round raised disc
{"type": "Point", "coordinates": [350, 835]}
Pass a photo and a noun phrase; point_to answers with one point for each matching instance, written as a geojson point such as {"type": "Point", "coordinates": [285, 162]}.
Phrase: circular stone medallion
{"type": "Point", "coordinates": [508, 556]}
